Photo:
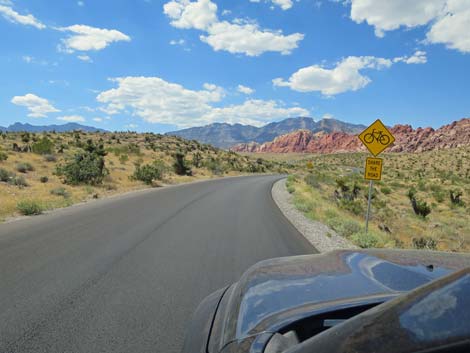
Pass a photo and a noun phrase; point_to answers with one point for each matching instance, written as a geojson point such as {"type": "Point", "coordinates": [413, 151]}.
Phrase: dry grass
{"type": "Point", "coordinates": [120, 162]}
{"type": "Point", "coordinates": [433, 174]}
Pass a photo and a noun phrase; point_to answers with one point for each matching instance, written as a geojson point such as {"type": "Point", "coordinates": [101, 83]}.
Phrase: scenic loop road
{"type": "Point", "coordinates": [125, 274]}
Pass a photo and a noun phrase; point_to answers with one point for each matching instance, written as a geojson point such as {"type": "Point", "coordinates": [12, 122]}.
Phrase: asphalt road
{"type": "Point", "coordinates": [125, 274]}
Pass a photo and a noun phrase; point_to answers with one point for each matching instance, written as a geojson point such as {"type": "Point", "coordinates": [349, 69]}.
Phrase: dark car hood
{"type": "Point", "coordinates": [274, 292]}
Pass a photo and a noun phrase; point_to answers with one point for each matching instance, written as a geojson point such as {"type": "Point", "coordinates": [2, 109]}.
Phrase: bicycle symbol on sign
{"type": "Point", "coordinates": [378, 136]}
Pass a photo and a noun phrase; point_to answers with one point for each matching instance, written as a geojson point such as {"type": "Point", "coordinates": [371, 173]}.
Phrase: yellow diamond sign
{"type": "Point", "coordinates": [376, 138]}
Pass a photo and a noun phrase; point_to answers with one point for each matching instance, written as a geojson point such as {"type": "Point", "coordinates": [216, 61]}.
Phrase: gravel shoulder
{"type": "Point", "coordinates": [322, 237]}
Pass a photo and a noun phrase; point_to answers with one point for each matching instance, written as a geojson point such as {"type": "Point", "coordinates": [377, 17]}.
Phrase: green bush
{"type": "Point", "coordinates": [180, 165]}
{"type": "Point", "coordinates": [87, 167]}
{"type": "Point", "coordinates": [354, 206]}
{"type": "Point", "coordinates": [455, 198]}
{"type": "Point", "coordinates": [19, 181]}
{"type": "Point", "coordinates": [149, 172]}
{"type": "Point", "coordinates": [3, 156]}
{"type": "Point", "coordinates": [425, 243]}
{"type": "Point", "coordinates": [303, 205]}
{"type": "Point", "coordinates": [44, 179]}
{"type": "Point", "coordinates": [344, 227]}
{"type": "Point", "coordinates": [421, 208]}
{"type": "Point", "coordinates": [386, 190]}
{"type": "Point", "coordinates": [43, 146]}
{"type": "Point", "coordinates": [50, 158]}
{"type": "Point", "coordinates": [123, 158]}
{"type": "Point", "coordinates": [5, 175]}
{"type": "Point", "coordinates": [366, 240]}
{"type": "Point", "coordinates": [311, 180]}
{"type": "Point", "coordinates": [29, 207]}
{"type": "Point", "coordinates": [24, 167]}
{"type": "Point", "coordinates": [290, 189]}
{"type": "Point", "coordinates": [60, 192]}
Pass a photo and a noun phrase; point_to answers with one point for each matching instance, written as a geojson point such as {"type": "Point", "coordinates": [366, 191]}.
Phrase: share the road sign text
{"type": "Point", "coordinates": [373, 170]}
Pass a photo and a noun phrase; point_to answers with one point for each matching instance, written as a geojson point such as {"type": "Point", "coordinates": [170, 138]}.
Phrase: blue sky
{"type": "Point", "coordinates": [150, 65]}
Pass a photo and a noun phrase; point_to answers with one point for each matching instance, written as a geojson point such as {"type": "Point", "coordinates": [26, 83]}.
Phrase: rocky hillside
{"type": "Point", "coordinates": [408, 139]}
{"type": "Point", "coordinates": [226, 135]}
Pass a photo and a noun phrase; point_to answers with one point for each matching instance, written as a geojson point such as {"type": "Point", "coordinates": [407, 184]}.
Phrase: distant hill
{"type": "Point", "coordinates": [19, 127]}
{"type": "Point", "coordinates": [456, 134]}
{"type": "Point", "coordinates": [225, 135]}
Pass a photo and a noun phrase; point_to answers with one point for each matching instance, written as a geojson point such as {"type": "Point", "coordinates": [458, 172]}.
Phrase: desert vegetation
{"type": "Point", "coordinates": [422, 202]}
{"type": "Point", "coordinates": [42, 171]}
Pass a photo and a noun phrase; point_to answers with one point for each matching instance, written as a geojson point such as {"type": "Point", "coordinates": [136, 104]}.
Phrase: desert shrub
{"type": "Point", "coordinates": [344, 227]}
{"type": "Point", "coordinates": [87, 167]}
{"type": "Point", "coordinates": [5, 175]}
{"type": "Point", "coordinates": [366, 240]}
{"type": "Point", "coordinates": [29, 207]}
{"type": "Point", "coordinates": [150, 172]}
{"type": "Point", "coordinates": [123, 158]}
{"type": "Point", "coordinates": [60, 192]}
{"type": "Point", "coordinates": [215, 166]}
{"type": "Point", "coordinates": [424, 243]}
{"type": "Point", "coordinates": [197, 159]}
{"type": "Point", "coordinates": [455, 197]}
{"type": "Point", "coordinates": [304, 205]}
{"type": "Point", "coordinates": [386, 190]}
{"type": "Point", "coordinates": [354, 206]}
{"type": "Point", "coordinates": [290, 189]}
{"type": "Point", "coordinates": [50, 158]}
{"type": "Point", "coordinates": [19, 181]}
{"type": "Point", "coordinates": [43, 146]}
{"type": "Point", "coordinates": [44, 179]}
{"type": "Point", "coordinates": [24, 167]}
{"type": "Point", "coordinates": [3, 156]}
{"type": "Point", "coordinates": [420, 208]}
{"type": "Point", "coordinates": [311, 180]}
{"type": "Point", "coordinates": [180, 165]}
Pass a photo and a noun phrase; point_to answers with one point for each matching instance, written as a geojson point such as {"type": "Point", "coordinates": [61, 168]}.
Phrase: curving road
{"type": "Point", "coordinates": [125, 274]}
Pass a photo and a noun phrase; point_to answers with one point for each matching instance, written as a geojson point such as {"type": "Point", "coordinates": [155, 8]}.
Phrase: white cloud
{"type": "Point", "coordinates": [449, 20]}
{"type": "Point", "coordinates": [11, 15]}
{"type": "Point", "coordinates": [185, 14]}
{"type": "Point", "coordinates": [80, 3]}
{"type": "Point", "coordinates": [85, 58]}
{"type": "Point", "coordinates": [254, 112]}
{"type": "Point", "coordinates": [453, 28]}
{"type": "Point", "coordinates": [419, 57]}
{"type": "Point", "coordinates": [249, 39]}
{"type": "Point", "coordinates": [283, 4]}
{"type": "Point", "coordinates": [158, 101]}
{"type": "Point", "coordinates": [98, 120]}
{"type": "Point", "coordinates": [238, 37]}
{"type": "Point", "coordinates": [72, 118]}
{"type": "Point", "coordinates": [86, 38]}
{"type": "Point", "coordinates": [131, 126]}
{"type": "Point", "coordinates": [245, 89]}
{"type": "Point", "coordinates": [38, 107]}
{"type": "Point", "coordinates": [386, 15]}
{"type": "Point", "coordinates": [28, 59]}
{"type": "Point", "coordinates": [345, 76]}
{"type": "Point", "coordinates": [177, 42]}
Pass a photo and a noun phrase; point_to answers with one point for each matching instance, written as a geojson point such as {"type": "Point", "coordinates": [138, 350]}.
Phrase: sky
{"type": "Point", "coordinates": [163, 65]}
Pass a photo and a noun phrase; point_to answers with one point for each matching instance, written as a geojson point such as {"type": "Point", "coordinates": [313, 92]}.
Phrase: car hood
{"type": "Point", "coordinates": [276, 292]}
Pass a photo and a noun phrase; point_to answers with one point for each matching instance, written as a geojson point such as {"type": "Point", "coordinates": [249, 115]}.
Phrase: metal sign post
{"type": "Point", "coordinates": [376, 138]}
{"type": "Point", "coordinates": [371, 185]}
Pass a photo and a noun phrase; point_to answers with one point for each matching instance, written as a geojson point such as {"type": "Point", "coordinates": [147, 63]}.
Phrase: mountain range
{"type": "Point", "coordinates": [19, 127]}
{"type": "Point", "coordinates": [456, 134]}
{"type": "Point", "coordinates": [225, 135]}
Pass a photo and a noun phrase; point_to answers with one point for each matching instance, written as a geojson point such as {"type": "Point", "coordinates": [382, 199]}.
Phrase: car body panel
{"type": "Point", "coordinates": [431, 317]}
{"type": "Point", "coordinates": [276, 292]}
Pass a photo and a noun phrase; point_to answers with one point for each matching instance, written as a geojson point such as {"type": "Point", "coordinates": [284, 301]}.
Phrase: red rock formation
{"type": "Point", "coordinates": [456, 134]}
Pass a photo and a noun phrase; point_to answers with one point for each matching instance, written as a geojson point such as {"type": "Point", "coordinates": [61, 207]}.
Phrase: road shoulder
{"type": "Point", "coordinates": [322, 237]}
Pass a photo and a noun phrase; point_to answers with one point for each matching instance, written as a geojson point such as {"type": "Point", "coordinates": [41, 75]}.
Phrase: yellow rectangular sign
{"type": "Point", "coordinates": [376, 138]}
{"type": "Point", "coordinates": [373, 170]}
